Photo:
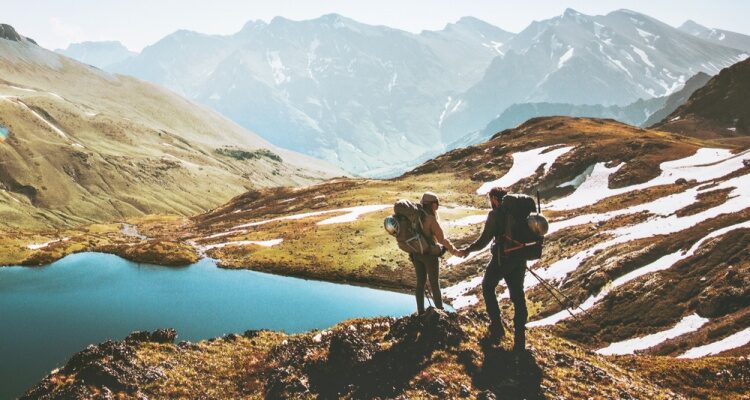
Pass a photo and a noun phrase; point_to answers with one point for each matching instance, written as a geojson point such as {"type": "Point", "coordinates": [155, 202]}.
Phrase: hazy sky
{"type": "Point", "coordinates": [138, 23]}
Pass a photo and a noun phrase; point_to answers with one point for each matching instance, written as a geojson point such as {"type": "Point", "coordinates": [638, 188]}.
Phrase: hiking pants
{"type": "Point", "coordinates": [513, 270]}
{"type": "Point", "coordinates": [427, 266]}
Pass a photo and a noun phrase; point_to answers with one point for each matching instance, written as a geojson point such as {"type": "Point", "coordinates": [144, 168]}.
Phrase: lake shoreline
{"type": "Point", "coordinates": [185, 257]}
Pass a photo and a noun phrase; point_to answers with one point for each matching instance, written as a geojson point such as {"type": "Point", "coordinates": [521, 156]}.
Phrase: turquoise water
{"type": "Point", "coordinates": [48, 313]}
{"type": "Point", "coordinates": [3, 132]}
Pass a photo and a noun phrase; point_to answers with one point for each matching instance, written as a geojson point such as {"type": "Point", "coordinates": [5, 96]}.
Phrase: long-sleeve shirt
{"type": "Point", "coordinates": [434, 232]}
{"type": "Point", "coordinates": [493, 229]}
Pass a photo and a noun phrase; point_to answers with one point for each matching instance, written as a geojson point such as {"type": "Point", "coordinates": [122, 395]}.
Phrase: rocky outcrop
{"type": "Point", "coordinates": [720, 109]}
{"type": "Point", "coordinates": [7, 32]}
{"type": "Point", "coordinates": [358, 367]}
{"type": "Point", "coordinates": [101, 371]}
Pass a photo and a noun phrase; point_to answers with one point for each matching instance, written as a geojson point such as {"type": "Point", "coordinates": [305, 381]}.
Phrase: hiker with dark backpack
{"type": "Point", "coordinates": [418, 232]}
{"type": "Point", "coordinates": [514, 243]}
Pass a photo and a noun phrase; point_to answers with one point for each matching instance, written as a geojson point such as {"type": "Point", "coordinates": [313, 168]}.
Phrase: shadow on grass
{"type": "Point", "coordinates": [507, 374]}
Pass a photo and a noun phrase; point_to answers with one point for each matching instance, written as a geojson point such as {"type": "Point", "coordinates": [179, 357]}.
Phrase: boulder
{"type": "Point", "coordinates": [157, 336]}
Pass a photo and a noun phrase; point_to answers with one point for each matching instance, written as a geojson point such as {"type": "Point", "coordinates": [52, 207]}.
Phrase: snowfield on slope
{"type": "Point", "coordinates": [525, 164]}
{"type": "Point", "coordinates": [351, 215]}
{"type": "Point", "coordinates": [688, 324]}
{"type": "Point", "coordinates": [705, 165]}
{"type": "Point", "coordinates": [730, 342]}
{"type": "Point", "coordinates": [37, 246]}
{"type": "Point", "coordinates": [262, 243]}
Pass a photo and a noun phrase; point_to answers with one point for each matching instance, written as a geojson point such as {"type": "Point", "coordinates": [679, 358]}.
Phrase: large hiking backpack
{"type": "Point", "coordinates": [409, 236]}
{"type": "Point", "coordinates": [520, 240]}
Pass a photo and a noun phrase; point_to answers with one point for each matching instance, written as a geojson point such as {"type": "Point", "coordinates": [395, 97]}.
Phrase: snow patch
{"type": "Point", "coordinates": [565, 57]}
{"type": "Point", "coordinates": [705, 165]}
{"type": "Point", "coordinates": [262, 243]}
{"type": "Point", "coordinates": [37, 246]}
{"type": "Point", "coordinates": [469, 220]}
{"type": "Point", "coordinates": [458, 292]}
{"type": "Point", "coordinates": [22, 89]}
{"type": "Point", "coordinates": [392, 83]}
{"type": "Point", "coordinates": [44, 120]}
{"type": "Point", "coordinates": [733, 341]}
{"type": "Point", "coordinates": [494, 46]}
{"type": "Point", "coordinates": [578, 180]}
{"type": "Point", "coordinates": [454, 260]}
{"type": "Point", "coordinates": [560, 269]}
{"type": "Point", "coordinates": [525, 164]}
{"type": "Point", "coordinates": [353, 214]}
{"type": "Point", "coordinates": [644, 34]}
{"type": "Point", "coordinates": [277, 67]}
{"type": "Point", "coordinates": [445, 111]}
{"type": "Point", "coordinates": [688, 324]}
{"type": "Point", "coordinates": [644, 57]}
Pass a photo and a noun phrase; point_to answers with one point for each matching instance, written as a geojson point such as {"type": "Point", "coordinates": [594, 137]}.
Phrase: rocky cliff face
{"type": "Point", "coordinates": [7, 32]}
{"type": "Point", "coordinates": [720, 109]}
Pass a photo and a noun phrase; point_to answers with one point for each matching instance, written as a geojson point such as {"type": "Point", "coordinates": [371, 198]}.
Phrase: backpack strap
{"type": "Point", "coordinates": [516, 245]}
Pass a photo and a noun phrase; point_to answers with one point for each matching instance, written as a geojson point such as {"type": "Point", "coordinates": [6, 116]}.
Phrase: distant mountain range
{"type": "Point", "coordinates": [719, 36]}
{"type": "Point", "coordinates": [99, 54]}
{"type": "Point", "coordinates": [613, 59]}
{"type": "Point", "coordinates": [373, 99]}
{"type": "Point", "coordinates": [360, 96]}
{"type": "Point", "coordinates": [639, 113]}
{"type": "Point", "coordinates": [719, 110]}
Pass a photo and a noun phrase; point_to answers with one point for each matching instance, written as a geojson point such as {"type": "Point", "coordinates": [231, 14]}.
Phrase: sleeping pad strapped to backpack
{"type": "Point", "coordinates": [520, 240]}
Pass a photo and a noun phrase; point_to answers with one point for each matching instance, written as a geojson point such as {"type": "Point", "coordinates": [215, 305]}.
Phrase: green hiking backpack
{"type": "Point", "coordinates": [520, 240]}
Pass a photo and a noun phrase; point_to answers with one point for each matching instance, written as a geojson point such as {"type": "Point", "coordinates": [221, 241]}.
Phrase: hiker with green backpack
{"type": "Point", "coordinates": [517, 230]}
{"type": "Point", "coordinates": [418, 232]}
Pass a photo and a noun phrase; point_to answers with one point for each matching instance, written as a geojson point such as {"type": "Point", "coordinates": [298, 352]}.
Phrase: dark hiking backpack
{"type": "Point", "coordinates": [520, 240]}
{"type": "Point", "coordinates": [409, 236]}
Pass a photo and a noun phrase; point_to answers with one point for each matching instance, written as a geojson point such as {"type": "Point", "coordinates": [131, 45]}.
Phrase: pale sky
{"type": "Point", "coordinates": [139, 23]}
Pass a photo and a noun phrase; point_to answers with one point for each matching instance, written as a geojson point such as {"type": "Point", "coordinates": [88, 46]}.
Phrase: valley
{"type": "Point", "coordinates": [81, 146]}
{"type": "Point", "coordinates": [188, 211]}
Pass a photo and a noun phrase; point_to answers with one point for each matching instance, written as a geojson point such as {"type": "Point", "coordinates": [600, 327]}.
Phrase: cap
{"type": "Point", "coordinates": [429, 197]}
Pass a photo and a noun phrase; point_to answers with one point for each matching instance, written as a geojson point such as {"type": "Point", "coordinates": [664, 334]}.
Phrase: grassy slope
{"type": "Point", "coordinates": [86, 146]}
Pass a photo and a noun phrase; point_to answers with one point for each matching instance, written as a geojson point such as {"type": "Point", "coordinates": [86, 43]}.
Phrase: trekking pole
{"type": "Point", "coordinates": [428, 293]}
{"type": "Point", "coordinates": [551, 289]}
{"type": "Point", "coordinates": [538, 203]}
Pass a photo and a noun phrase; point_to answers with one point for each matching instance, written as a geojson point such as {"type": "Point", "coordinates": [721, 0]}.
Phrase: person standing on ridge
{"type": "Point", "coordinates": [510, 267]}
{"type": "Point", "coordinates": [427, 266]}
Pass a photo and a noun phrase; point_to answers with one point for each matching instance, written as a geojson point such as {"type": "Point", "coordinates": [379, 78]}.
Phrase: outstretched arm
{"type": "Point", "coordinates": [484, 239]}
{"type": "Point", "coordinates": [440, 238]}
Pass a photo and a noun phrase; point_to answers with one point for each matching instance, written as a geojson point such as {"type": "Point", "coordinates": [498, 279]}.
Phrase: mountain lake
{"type": "Point", "coordinates": [49, 313]}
